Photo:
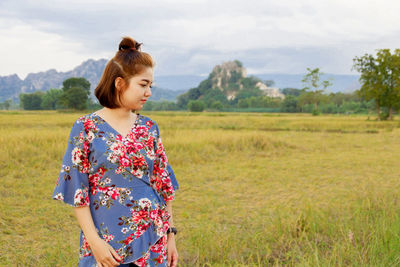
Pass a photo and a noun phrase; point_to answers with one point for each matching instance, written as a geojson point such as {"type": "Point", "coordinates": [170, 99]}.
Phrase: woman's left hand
{"type": "Point", "coordinates": [172, 253]}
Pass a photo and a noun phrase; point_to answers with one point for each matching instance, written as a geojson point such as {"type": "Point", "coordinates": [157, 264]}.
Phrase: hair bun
{"type": "Point", "coordinates": [128, 44]}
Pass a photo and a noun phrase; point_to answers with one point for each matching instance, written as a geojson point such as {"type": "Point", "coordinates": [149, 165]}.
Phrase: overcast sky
{"type": "Point", "coordinates": [192, 36]}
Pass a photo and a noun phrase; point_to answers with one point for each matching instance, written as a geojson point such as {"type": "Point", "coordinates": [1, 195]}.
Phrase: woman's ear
{"type": "Point", "coordinates": [119, 83]}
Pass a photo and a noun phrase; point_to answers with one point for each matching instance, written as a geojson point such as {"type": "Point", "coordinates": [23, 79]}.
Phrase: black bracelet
{"type": "Point", "coordinates": [172, 229]}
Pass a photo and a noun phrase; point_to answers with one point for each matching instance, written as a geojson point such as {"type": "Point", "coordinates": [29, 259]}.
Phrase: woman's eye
{"type": "Point", "coordinates": [145, 85]}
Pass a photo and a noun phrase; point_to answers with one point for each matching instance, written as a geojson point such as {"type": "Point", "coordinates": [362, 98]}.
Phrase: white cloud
{"type": "Point", "coordinates": [192, 36]}
{"type": "Point", "coordinates": [27, 49]}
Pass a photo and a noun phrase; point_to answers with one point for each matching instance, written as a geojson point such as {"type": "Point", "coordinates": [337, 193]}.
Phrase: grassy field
{"type": "Point", "coordinates": [255, 189]}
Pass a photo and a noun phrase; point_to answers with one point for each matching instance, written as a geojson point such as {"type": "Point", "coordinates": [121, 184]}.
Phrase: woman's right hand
{"type": "Point", "coordinates": [104, 253]}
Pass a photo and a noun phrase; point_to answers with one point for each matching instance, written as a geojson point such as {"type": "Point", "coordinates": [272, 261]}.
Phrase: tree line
{"type": "Point", "coordinates": [380, 78]}
{"type": "Point", "coordinates": [74, 94]}
{"type": "Point", "coordinates": [380, 91]}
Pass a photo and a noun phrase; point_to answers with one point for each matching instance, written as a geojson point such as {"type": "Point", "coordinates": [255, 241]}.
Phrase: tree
{"type": "Point", "coordinates": [291, 91]}
{"type": "Point", "coordinates": [240, 64]}
{"type": "Point", "coordinates": [182, 100]}
{"type": "Point", "coordinates": [196, 105]}
{"type": "Point", "coordinates": [289, 104]}
{"type": "Point", "coordinates": [165, 105]}
{"type": "Point", "coordinates": [246, 93]}
{"type": "Point", "coordinates": [7, 104]}
{"type": "Point", "coordinates": [380, 79]}
{"type": "Point", "coordinates": [75, 98]}
{"type": "Point", "coordinates": [313, 88]}
{"type": "Point", "coordinates": [217, 105]}
{"type": "Point", "coordinates": [50, 99]}
{"type": "Point", "coordinates": [338, 98]}
{"type": "Point", "coordinates": [213, 95]}
{"type": "Point", "coordinates": [31, 101]}
{"type": "Point", "coordinates": [370, 79]}
{"type": "Point", "coordinates": [250, 82]}
{"type": "Point", "coordinates": [243, 103]}
{"type": "Point", "coordinates": [77, 82]}
{"type": "Point", "coordinates": [76, 93]}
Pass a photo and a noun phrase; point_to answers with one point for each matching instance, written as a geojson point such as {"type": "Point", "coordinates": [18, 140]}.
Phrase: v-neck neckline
{"type": "Point", "coordinates": [109, 125]}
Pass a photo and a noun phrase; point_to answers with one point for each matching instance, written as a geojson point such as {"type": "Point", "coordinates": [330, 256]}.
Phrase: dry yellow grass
{"type": "Point", "coordinates": [255, 189]}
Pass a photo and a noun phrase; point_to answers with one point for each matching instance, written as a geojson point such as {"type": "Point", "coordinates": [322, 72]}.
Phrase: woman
{"type": "Point", "coordinates": [115, 172]}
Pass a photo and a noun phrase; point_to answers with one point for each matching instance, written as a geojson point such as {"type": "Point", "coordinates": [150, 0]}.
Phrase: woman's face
{"type": "Point", "coordinates": [138, 90]}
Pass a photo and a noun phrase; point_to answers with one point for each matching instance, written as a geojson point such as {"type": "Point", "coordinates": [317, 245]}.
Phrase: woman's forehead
{"type": "Point", "coordinates": [145, 75]}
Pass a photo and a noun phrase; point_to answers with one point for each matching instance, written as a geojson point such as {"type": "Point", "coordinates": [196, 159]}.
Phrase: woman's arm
{"type": "Point", "coordinates": [85, 220]}
{"type": "Point", "coordinates": [172, 253]}
{"type": "Point", "coordinates": [103, 252]}
{"type": "Point", "coordinates": [169, 209]}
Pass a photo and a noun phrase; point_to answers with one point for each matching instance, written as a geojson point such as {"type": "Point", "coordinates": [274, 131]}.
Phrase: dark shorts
{"type": "Point", "coordinates": [131, 264]}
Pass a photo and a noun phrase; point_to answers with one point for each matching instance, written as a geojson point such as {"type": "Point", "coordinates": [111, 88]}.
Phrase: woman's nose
{"type": "Point", "coordinates": [148, 92]}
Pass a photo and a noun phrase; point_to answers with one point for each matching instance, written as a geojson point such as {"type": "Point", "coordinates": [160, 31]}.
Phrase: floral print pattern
{"type": "Point", "coordinates": [125, 181]}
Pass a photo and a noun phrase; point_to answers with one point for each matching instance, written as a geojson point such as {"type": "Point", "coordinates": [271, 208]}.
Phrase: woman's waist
{"type": "Point", "coordinates": [124, 193]}
{"type": "Point", "coordinates": [105, 180]}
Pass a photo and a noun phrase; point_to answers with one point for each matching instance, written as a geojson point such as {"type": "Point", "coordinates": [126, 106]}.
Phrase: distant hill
{"type": "Point", "coordinates": [178, 82]}
{"type": "Point", "coordinates": [159, 94]}
{"type": "Point", "coordinates": [11, 86]}
{"type": "Point", "coordinates": [226, 84]}
{"type": "Point", "coordinates": [341, 82]}
{"type": "Point", "coordinates": [166, 86]}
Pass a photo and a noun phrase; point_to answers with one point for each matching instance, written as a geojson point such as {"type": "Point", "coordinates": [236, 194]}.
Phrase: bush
{"type": "Point", "coordinates": [316, 112]}
{"type": "Point", "coordinates": [217, 105]}
{"type": "Point", "coordinates": [290, 104]}
{"type": "Point", "coordinates": [196, 105]}
{"type": "Point", "coordinates": [243, 103]}
{"type": "Point", "coordinates": [31, 101]}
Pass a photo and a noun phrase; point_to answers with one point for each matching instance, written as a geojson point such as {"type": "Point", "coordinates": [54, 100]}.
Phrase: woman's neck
{"type": "Point", "coordinates": [120, 113]}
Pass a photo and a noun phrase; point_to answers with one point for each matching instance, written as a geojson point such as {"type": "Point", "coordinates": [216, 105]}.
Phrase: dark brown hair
{"type": "Point", "coordinates": [126, 63]}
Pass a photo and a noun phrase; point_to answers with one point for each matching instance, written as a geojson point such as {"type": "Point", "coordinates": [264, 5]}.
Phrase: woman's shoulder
{"type": "Point", "coordinates": [82, 119]}
{"type": "Point", "coordinates": [149, 122]}
{"type": "Point", "coordinates": [86, 121]}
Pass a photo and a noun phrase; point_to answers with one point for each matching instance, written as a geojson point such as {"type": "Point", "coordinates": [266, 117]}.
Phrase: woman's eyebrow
{"type": "Point", "coordinates": [148, 81]}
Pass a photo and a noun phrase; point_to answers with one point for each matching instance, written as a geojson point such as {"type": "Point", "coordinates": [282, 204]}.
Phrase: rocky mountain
{"type": "Point", "coordinates": [226, 83]}
{"type": "Point", "coordinates": [225, 74]}
{"type": "Point", "coordinates": [230, 78]}
{"type": "Point", "coordinates": [11, 86]}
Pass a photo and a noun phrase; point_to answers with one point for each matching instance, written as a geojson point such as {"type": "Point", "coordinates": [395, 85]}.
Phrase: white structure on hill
{"type": "Point", "coordinates": [270, 91]}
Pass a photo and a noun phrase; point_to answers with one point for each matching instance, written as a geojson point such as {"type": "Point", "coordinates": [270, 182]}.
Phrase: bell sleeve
{"type": "Point", "coordinates": [163, 173]}
{"type": "Point", "coordinates": [73, 184]}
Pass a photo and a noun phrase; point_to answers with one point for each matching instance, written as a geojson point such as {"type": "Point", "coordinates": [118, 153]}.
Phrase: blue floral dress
{"type": "Point", "coordinates": [126, 181]}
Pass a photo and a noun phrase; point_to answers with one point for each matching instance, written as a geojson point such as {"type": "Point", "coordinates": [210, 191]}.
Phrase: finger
{"type": "Point", "coordinates": [110, 264]}
{"type": "Point", "coordinates": [169, 258]}
{"type": "Point", "coordinates": [99, 264]}
{"type": "Point", "coordinates": [114, 262]}
{"type": "Point", "coordinates": [169, 262]}
{"type": "Point", "coordinates": [115, 254]}
{"type": "Point", "coordinates": [111, 261]}
{"type": "Point", "coordinates": [175, 260]}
